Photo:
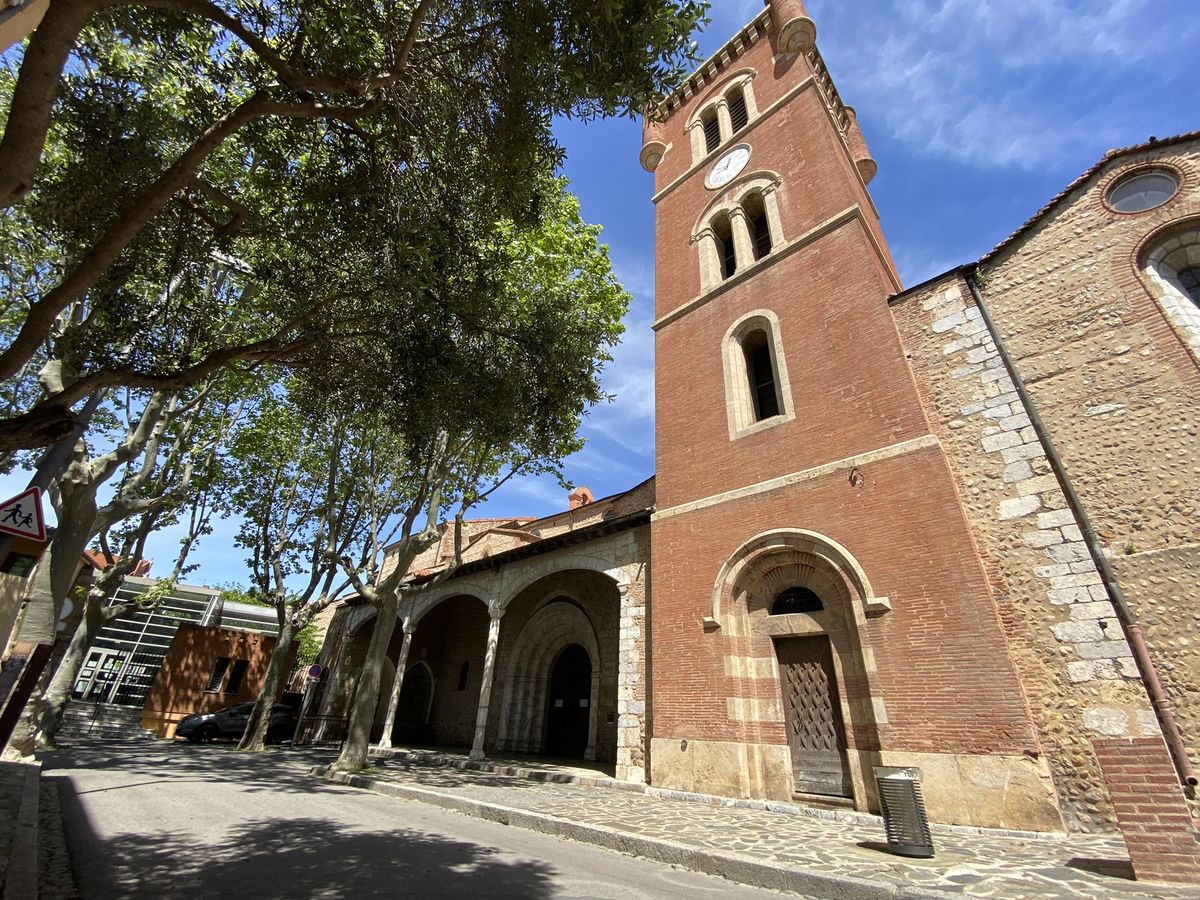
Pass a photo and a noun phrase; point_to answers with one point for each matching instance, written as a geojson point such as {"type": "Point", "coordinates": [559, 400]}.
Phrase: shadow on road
{"type": "Point", "coordinates": [304, 856]}
{"type": "Point", "coordinates": [275, 769]}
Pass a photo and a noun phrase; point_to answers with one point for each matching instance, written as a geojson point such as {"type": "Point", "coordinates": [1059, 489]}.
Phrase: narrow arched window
{"type": "Point", "coordinates": [727, 256]}
{"type": "Point", "coordinates": [739, 113]}
{"type": "Point", "coordinates": [1189, 280]}
{"type": "Point", "coordinates": [797, 600]}
{"type": "Point", "coordinates": [760, 370]}
{"type": "Point", "coordinates": [463, 672]}
{"type": "Point", "coordinates": [760, 229]}
{"type": "Point", "coordinates": [712, 130]}
{"type": "Point", "coordinates": [758, 393]}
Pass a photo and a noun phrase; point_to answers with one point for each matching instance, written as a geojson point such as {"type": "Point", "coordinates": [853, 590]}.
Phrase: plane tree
{"type": "Point", "coordinates": [146, 139]}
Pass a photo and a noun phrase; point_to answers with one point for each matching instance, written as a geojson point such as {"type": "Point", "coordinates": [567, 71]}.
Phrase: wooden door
{"type": "Point", "coordinates": [813, 714]}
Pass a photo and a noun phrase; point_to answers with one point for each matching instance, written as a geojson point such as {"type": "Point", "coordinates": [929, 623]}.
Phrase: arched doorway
{"type": "Point", "coordinates": [801, 600]}
{"type": "Point", "coordinates": [568, 717]}
{"type": "Point", "coordinates": [415, 708]}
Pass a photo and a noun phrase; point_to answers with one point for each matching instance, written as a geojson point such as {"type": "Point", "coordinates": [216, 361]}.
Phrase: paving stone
{"type": "Point", "coordinates": [973, 862]}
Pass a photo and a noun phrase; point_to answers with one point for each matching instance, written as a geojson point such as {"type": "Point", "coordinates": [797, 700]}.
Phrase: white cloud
{"type": "Point", "coordinates": [994, 84]}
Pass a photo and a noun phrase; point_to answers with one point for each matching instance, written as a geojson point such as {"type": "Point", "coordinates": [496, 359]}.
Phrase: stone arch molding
{"type": "Point", "coordinates": [497, 593]}
{"type": "Point", "coordinates": [1164, 255]}
{"type": "Point", "coordinates": [425, 605]}
{"type": "Point", "coordinates": [754, 576]}
{"type": "Point", "coordinates": [717, 99]}
{"type": "Point", "coordinates": [760, 548]}
{"type": "Point", "coordinates": [739, 404]}
{"type": "Point", "coordinates": [555, 626]}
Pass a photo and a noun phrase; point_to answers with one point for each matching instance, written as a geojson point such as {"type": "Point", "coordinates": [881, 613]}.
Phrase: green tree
{"type": "Point", "coordinates": [512, 351]}
{"type": "Point", "coordinates": [226, 125]}
{"type": "Point", "coordinates": [165, 448]}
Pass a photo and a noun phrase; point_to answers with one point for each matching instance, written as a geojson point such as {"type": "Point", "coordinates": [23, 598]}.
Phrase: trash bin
{"type": "Point", "coordinates": [904, 816]}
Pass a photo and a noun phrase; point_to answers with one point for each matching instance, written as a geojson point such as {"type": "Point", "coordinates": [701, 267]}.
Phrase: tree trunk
{"type": "Point", "coordinates": [255, 736]}
{"type": "Point", "coordinates": [51, 703]}
{"type": "Point", "coordinates": [366, 696]}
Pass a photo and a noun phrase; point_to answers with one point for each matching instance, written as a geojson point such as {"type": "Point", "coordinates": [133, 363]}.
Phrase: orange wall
{"type": "Point", "coordinates": [178, 689]}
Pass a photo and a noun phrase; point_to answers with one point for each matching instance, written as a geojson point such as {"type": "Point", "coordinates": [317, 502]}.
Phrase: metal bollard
{"type": "Point", "coordinates": [903, 808]}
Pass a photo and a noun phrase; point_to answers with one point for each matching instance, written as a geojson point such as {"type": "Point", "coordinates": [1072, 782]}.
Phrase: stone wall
{"type": "Point", "coordinates": [1076, 668]}
{"type": "Point", "coordinates": [1114, 373]}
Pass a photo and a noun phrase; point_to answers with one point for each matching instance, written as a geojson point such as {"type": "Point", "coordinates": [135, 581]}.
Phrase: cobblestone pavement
{"type": "Point", "coordinates": [55, 879]}
{"type": "Point", "coordinates": [978, 865]}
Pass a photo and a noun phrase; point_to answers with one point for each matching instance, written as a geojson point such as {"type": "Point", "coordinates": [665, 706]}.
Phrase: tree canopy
{"type": "Point", "coordinates": [188, 183]}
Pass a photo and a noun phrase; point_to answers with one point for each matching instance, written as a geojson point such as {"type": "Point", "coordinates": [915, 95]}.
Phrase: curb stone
{"type": "Point", "coordinates": [846, 817]}
{"type": "Point", "coordinates": [732, 867]}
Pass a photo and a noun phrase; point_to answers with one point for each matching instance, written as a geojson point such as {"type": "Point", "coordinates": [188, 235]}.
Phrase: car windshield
{"type": "Point", "coordinates": [240, 710]}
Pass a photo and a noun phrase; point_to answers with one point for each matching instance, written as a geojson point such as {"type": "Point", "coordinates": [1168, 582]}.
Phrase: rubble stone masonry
{"type": "Point", "coordinates": [1116, 384]}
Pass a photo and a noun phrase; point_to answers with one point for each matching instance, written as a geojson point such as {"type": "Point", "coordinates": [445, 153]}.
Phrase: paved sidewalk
{"type": "Point", "coordinates": [19, 800]}
{"type": "Point", "coordinates": [818, 854]}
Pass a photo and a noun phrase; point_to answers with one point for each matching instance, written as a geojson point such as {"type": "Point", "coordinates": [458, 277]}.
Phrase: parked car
{"type": "Point", "coordinates": [230, 723]}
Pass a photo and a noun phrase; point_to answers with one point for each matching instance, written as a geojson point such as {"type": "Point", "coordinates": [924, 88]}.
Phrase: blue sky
{"type": "Point", "coordinates": [977, 111]}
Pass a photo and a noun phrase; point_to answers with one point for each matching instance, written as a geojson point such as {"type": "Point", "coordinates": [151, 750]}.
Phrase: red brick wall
{"type": "Point", "coordinates": [944, 670]}
{"type": "Point", "coordinates": [1149, 803]}
{"type": "Point", "coordinates": [943, 667]}
{"type": "Point", "coordinates": [850, 383]}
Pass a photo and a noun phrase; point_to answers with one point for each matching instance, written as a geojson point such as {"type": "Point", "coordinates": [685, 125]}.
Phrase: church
{"type": "Point", "coordinates": [951, 527]}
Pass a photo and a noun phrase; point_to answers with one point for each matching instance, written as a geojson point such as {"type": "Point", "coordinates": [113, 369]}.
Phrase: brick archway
{"type": "Point", "coordinates": [765, 649]}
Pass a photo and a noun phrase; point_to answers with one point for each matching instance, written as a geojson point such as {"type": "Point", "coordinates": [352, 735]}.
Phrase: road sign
{"type": "Point", "coordinates": [22, 515]}
{"type": "Point", "coordinates": [314, 671]}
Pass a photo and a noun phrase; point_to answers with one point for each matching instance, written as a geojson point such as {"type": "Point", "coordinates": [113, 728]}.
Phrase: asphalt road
{"type": "Point", "coordinates": [162, 820]}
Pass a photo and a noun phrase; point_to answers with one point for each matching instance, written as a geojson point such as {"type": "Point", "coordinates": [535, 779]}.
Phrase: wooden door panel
{"type": "Point", "coordinates": [816, 734]}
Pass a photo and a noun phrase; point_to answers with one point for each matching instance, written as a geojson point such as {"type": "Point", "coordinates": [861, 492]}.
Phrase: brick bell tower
{"type": "Point", "coordinates": [818, 605]}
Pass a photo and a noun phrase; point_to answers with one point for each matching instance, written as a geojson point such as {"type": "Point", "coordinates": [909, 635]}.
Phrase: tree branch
{"type": "Point", "coordinates": [34, 95]}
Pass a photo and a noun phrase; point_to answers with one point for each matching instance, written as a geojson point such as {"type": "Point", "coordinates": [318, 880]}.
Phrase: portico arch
{"type": "Point", "coordinates": [557, 625]}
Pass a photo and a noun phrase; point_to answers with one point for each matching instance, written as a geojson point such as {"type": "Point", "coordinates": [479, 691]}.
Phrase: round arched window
{"type": "Point", "coordinates": [1143, 191]}
{"type": "Point", "coordinates": [797, 600]}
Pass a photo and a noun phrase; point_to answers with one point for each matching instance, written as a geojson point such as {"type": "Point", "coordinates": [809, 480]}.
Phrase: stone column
{"type": "Point", "coordinates": [696, 135]}
{"type": "Point", "coordinates": [743, 247]}
{"type": "Point", "coordinates": [389, 721]}
{"type": "Point", "coordinates": [485, 689]}
{"type": "Point", "coordinates": [726, 122]}
{"type": "Point", "coordinates": [631, 711]}
{"type": "Point", "coordinates": [771, 203]}
{"type": "Point", "coordinates": [710, 265]}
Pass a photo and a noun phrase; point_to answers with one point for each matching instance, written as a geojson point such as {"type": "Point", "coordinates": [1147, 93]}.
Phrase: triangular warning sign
{"type": "Point", "coordinates": [22, 515]}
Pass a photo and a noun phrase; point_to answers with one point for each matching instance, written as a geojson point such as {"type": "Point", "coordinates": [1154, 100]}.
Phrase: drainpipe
{"type": "Point", "coordinates": [1126, 616]}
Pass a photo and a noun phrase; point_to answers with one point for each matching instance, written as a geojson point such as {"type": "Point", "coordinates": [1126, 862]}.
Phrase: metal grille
{"type": "Point", "coordinates": [135, 683]}
{"type": "Point", "coordinates": [712, 134]}
{"type": "Point", "coordinates": [904, 817]}
{"type": "Point", "coordinates": [737, 111]}
{"type": "Point", "coordinates": [321, 731]}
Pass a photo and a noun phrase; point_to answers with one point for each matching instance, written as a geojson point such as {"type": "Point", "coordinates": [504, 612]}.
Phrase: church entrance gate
{"type": "Point", "coordinates": [569, 715]}
{"type": "Point", "coordinates": [813, 714]}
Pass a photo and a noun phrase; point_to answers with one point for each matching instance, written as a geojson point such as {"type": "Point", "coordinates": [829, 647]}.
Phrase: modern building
{"type": "Point", "coordinates": [127, 654]}
{"type": "Point", "coordinates": [951, 527]}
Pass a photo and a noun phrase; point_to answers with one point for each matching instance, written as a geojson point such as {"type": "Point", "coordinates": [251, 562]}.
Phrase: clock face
{"type": "Point", "coordinates": [728, 167]}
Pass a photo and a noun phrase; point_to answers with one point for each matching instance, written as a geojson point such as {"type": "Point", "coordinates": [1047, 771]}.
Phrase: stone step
{"type": "Point", "coordinates": [92, 721]}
